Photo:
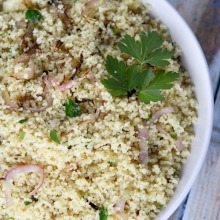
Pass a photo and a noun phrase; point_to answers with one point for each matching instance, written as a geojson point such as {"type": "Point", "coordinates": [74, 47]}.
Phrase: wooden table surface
{"type": "Point", "coordinates": [203, 201]}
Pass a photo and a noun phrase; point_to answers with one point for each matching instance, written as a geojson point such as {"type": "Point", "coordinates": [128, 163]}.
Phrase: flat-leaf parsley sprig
{"type": "Point", "coordinates": [146, 75]}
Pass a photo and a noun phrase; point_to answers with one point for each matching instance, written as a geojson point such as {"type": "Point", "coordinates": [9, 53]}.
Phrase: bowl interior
{"type": "Point", "coordinates": [195, 62]}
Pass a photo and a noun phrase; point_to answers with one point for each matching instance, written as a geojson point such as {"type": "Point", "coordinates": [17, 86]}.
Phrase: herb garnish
{"type": "Point", "coordinates": [23, 120]}
{"type": "Point", "coordinates": [27, 203]}
{"type": "Point", "coordinates": [116, 31]}
{"type": "Point", "coordinates": [111, 163]}
{"type": "Point", "coordinates": [145, 76]}
{"type": "Point", "coordinates": [72, 109]}
{"type": "Point", "coordinates": [33, 15]}
{"type": "Point", "coordinates": [55, 136]}
{"type": "Point", "coordinates": [21, 135]}
{"type": "Point", "coordinates": [103, 213]}
{"type": "Point", "coordinates": [148, 50]}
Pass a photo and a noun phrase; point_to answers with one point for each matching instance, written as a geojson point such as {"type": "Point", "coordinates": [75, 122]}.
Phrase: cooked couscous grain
{"type": "Point", "coordinates": [58, 121]}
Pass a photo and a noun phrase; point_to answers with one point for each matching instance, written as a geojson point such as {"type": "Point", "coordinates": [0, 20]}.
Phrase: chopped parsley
{"type": "Point", "coordinates": [72, 109]}
{"type": "Point", "coordinates": [21, 135]}
{"type": "Point", "coordinates": [54, 136]}
{"type": "Point", "coordinates": [33, 15]}
{"type": "Point", "coordinates": [173, 135]}
{"type": "Point", "coordinates": [146, 76]}
{"type": "Point", "coordinates": [103, 213]}
{"type": "Point", "coordinates": [2, 34]}
{"type": "Point", "coordinates": [111, 163]}
{"type": "Point", "coordinates": [148, 50]}
{"type": "Point", "coordinates": [116, 31]}
{"type": "Point", "coordinates": [27, 203]}
{"type": "Point", "coordinates": [22, 121]}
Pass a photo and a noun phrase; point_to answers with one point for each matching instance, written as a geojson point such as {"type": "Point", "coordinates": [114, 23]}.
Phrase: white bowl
{"type": "Point", "coordinates": [195, 63]}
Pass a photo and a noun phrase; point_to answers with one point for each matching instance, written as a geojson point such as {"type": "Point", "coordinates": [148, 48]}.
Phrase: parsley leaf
{"type": "Point", "coordinates": [33, 15]}
{"type": "Point", "coordinates": [150, 95]}
{"type": "Point", "coordinates": [150, 42]}
{"type": "Point", "coordinates": [152, 92]}
{"type": "Point", "coordinates": [163, 80]}
{"type": "Point", "coordinates": [140, 77]}
{"type": "Point", "coordinates": [54, 136]}
{"type": "Point", "coordinates": [131, 47]}
{"type": "Point", "coordinates": [103, 213]}
{"type": "Point", "coordinates": [72, 109]}
{"type": "Point", "coordinates": [147, 76]}
{"type": "Point", "coordinates": [146, 50]}
{"type": "Point", "coordinates": [159, 58]}
{"type": "Point", "coordinates": [117, 84]}
{"type": "Point", "coordinates": [22, 121]}
{"type": "Point", "coordinates": [134, 77]}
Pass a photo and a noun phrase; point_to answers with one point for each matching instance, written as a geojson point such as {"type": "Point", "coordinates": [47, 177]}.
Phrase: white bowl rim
{"type": "Point", "coordinates": [169, 16]}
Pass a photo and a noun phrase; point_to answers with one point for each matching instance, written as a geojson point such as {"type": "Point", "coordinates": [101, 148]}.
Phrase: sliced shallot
{"type": "Point", "coordinates": [91, 76]}
{"type": "Point", "coordinates": [143, 156]}
{"type": "Point", "coordinates": [143, 133]}
{"type": "Point", "coordinates": [21, 24]}
{"type": "Point", "coordinates": [23, 58]}
{"type": "Point", "coordinates": [49, 80]}
{"type": "Point", "coordinates": [66, 86]}
{"type": "Point", "coordinates": [90, 7]}
{"type": "Point", "coordinates": [143, 136]}
{"type": "Point", "coordinates": [49, 101]}
{"type": "Point", "coordinates": [8, 102]}
{"type": "Point", "coordinates": [11, 174]}
{"type": "Point", "coordinates": [160, 113]}
{"type": "Point", "coordinates": [119, 206]}
{"type": "Point", "coordinates": [26, 76]}
{"type": "Point", "coordinates": [179, 145]}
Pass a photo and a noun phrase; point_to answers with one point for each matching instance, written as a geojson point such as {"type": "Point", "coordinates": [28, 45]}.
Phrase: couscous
{"type": "Point", "coordinates": [81, 136]}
